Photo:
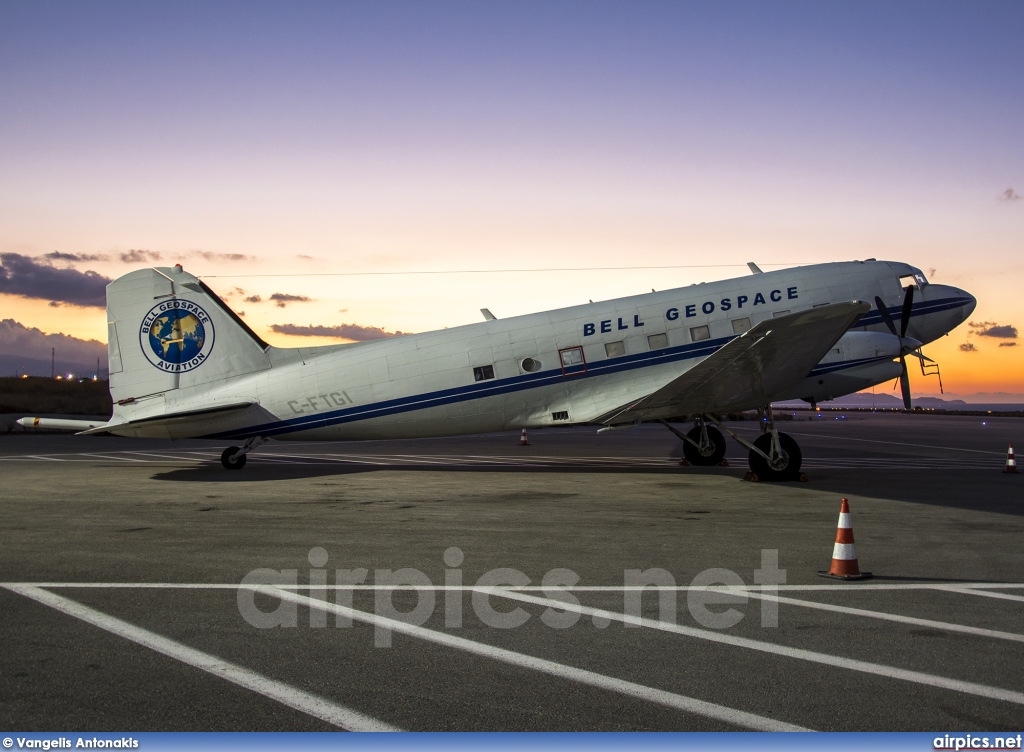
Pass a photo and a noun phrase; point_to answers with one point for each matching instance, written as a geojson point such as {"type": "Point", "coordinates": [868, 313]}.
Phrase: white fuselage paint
{"type": "Point", "coordinates": [424, 385]}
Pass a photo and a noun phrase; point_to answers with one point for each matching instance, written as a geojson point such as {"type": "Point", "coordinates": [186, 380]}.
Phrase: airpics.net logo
{"type": "Point", "coordinates": [177, 336]}
{"type": "Point", "coordinates": [973, 741]}
{"type": "Point", "coordinates": [406, 599]}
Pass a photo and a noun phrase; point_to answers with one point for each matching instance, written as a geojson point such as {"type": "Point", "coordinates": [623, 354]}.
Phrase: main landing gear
{"type": "Point", "coordinates": [703, 445]}
{"type": "Point", "coordinates": [773, 456]}
{"type": "Point", "coordinates": [233, 458]}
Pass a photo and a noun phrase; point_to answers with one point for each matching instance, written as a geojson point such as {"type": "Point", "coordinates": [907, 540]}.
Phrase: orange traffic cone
{"type": "Point", "coordinates": [844, 554]}
{"type": "Point", "coordinates": [522, 439]}
{"type": "Point", "coordinates": [1011, 463]}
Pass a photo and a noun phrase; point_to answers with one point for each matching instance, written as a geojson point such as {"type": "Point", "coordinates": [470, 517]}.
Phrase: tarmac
{"type": "Point", "coordinates": [122, 565]}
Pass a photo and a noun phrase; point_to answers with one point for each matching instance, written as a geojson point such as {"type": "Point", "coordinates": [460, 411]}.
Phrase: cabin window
{"type": "Point", "coordinates": [573, 362]}
{"type": "Point", "coordinates": [697, 333]}
{"type": "Point", "coordinates": [657, 341]}
{"type": "Point", "coordinates": [740, 325]}
{"type": "Point", "coordinates": [615, 349]}
{"type": "Point", "coordinates": [781, 313]}
{"type": "Point", "coordinates": [561, 415]}
{"type": "Point", "coordinates": [482, 373]}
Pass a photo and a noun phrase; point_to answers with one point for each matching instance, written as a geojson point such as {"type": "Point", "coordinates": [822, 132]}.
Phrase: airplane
{"type": "Point", "coordinates": [184, 365]}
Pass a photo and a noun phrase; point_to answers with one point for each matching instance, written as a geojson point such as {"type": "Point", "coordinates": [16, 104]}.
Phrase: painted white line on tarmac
{"type": "Point", "coordinates": [166, 456]}
{"type": "Point", "coordinates": [310, 704]}
{"type": "Point", "coordinates": [966, 590]}
{"type": "Point", "coordinates": [945, 626]}
{"type": "Point", "coordinates": [581, 676]}
{"type": "Point", "coordinates": [894, 443]}
{"type": "Point", "coordinates": [878, 669]}
{"type": "Point", "coordinates": [117, 458]}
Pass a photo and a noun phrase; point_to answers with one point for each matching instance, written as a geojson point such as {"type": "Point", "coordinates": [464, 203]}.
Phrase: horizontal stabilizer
{"type": "Point", "coordinates": [199, 413]}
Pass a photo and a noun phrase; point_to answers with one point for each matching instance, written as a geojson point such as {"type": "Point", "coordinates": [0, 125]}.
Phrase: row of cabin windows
{"type": "Point", "coordinates": [618, 348]}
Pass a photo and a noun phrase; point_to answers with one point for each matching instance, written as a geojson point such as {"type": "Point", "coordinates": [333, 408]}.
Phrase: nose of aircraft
{"type": "Point", "coordinates": [960, 301]}
{"type": "Point", "coordinates": [970, 303]}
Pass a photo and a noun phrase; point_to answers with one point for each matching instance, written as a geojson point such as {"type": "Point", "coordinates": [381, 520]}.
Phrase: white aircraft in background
{"type": "Point", "coordinates": [184, 365]}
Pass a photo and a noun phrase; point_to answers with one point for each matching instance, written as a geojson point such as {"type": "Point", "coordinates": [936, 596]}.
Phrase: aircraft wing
{"type": "Point", "coordinates": [746, 373]}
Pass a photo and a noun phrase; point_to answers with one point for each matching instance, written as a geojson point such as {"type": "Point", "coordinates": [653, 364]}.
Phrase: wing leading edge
{"type": "Point", "coordinates": [751, 369]}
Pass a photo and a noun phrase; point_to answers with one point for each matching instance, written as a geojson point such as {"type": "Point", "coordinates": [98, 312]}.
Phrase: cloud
{"type": "Point", "coordinates": [254, 299]}
{"type": "Point", "coordinates": [60, 256]}
{"type": "Point", "coordinates": [932, 271]}
{"type": "Point", "coordinates": [992, 329]}
{"type": "Point", "coordinates": [968, 347]}
{"type": "Point", "coordinates": [344, 331]}
{"type": "Point", "coordinates": [282, 299]}
{"type": "Point", "coordinates": [304, 257]}
{"type": "Point", "coordinates": [17, 339]}
{"type": "Point", "coordinates": [28, 278]}
{"type": "Point", "coordinates": [210, 256]}
{"type": "Point", "coordinates": [141, 256]}
{"type": "Point", "coordinates": [1009, 195]}
{"type": "Point", "coordinates": [1007, 344]}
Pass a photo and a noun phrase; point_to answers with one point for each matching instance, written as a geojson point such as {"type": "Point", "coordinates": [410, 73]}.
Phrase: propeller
{"type": "Point", "coordinates": [908, 345]}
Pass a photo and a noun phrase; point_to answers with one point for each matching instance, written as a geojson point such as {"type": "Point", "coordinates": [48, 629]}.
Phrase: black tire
{"type": "Point", "coordinates": [716, 450]}
{"type": "Point", "coordinates": [790, 450]}
{"type": "Point", "coordinates": [229, 461]}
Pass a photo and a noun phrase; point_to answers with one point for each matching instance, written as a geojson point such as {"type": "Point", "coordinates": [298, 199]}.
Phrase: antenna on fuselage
{"type": "Point", "coordinates": [754, 268]}
{"type": "Point", "coordinates": [488, 316]}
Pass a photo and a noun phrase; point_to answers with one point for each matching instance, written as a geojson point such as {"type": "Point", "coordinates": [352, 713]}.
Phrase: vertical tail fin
{"type": "Point", "coordinates": [167, 330]}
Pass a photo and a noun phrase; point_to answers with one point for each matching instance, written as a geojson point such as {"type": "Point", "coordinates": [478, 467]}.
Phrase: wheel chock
{"type": "Point", "coordinates": [684, 461]}
{"type": "Point", "coordinates": [751, 476]}
{"type": "Point", "coordinates": [724, 463]}
{"type": "Point", "coordinates": [803, 478]}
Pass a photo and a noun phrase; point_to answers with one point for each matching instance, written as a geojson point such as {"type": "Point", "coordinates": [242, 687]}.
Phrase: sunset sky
{"type": "Point", "coordinates": [251, 141]}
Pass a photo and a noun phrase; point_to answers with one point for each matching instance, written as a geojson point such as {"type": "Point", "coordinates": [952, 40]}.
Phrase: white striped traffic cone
{"type": "Point", "coordinates": [1011, 463]}
{"type": "Point", "coordinates": [522, 439]}
{"type": "Point", "coordinates": [844, 553]}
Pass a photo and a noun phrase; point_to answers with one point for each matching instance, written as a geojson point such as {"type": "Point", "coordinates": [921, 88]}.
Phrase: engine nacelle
{"type": "Point", "coordinates": [858, 361]}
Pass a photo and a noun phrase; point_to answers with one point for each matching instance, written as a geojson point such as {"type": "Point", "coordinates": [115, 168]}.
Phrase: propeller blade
{"type": "Point", "coordinates": [921, 355]}
{"type": "Point", "coordinates": [908, 305]}
{"type": "Point", "coordinates": [905, 384]}
{"type": "Point", "coordinates": [885, 314]}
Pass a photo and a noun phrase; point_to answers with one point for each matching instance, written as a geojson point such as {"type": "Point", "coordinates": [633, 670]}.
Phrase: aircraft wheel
{"type": "Point", "coordinates": [788, 468]}
{"type": "Point", "coordinates": [712, 454]}
{"type": "Point", "coordinates": [228, 460]}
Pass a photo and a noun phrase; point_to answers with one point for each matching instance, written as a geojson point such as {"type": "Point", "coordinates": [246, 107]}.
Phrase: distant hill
{"type": "Point", "coordinates": [27, 350]}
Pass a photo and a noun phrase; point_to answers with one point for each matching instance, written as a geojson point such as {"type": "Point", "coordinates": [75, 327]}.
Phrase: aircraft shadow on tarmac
{"type": "Point", "coordinates": [978, 490]}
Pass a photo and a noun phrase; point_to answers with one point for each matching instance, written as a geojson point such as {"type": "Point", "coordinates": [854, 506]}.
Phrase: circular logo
{"type": "Point", "coordinates": [176, 336]}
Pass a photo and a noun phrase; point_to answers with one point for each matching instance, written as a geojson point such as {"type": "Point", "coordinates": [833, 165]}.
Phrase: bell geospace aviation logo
{"type": "Point", "coordinates": [177, 336]}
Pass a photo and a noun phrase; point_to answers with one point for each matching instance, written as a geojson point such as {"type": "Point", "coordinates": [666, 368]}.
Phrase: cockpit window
{"type": "Point", "coordinates": [917, 279]}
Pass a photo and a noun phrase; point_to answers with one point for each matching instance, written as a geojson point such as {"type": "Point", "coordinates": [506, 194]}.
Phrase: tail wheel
{"type": "Point", "coordinates": [711, 453]}
{"type": "Point", "coordinates": [788, 465]}
{"type": "Point", "coordinates": [230, 461]}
